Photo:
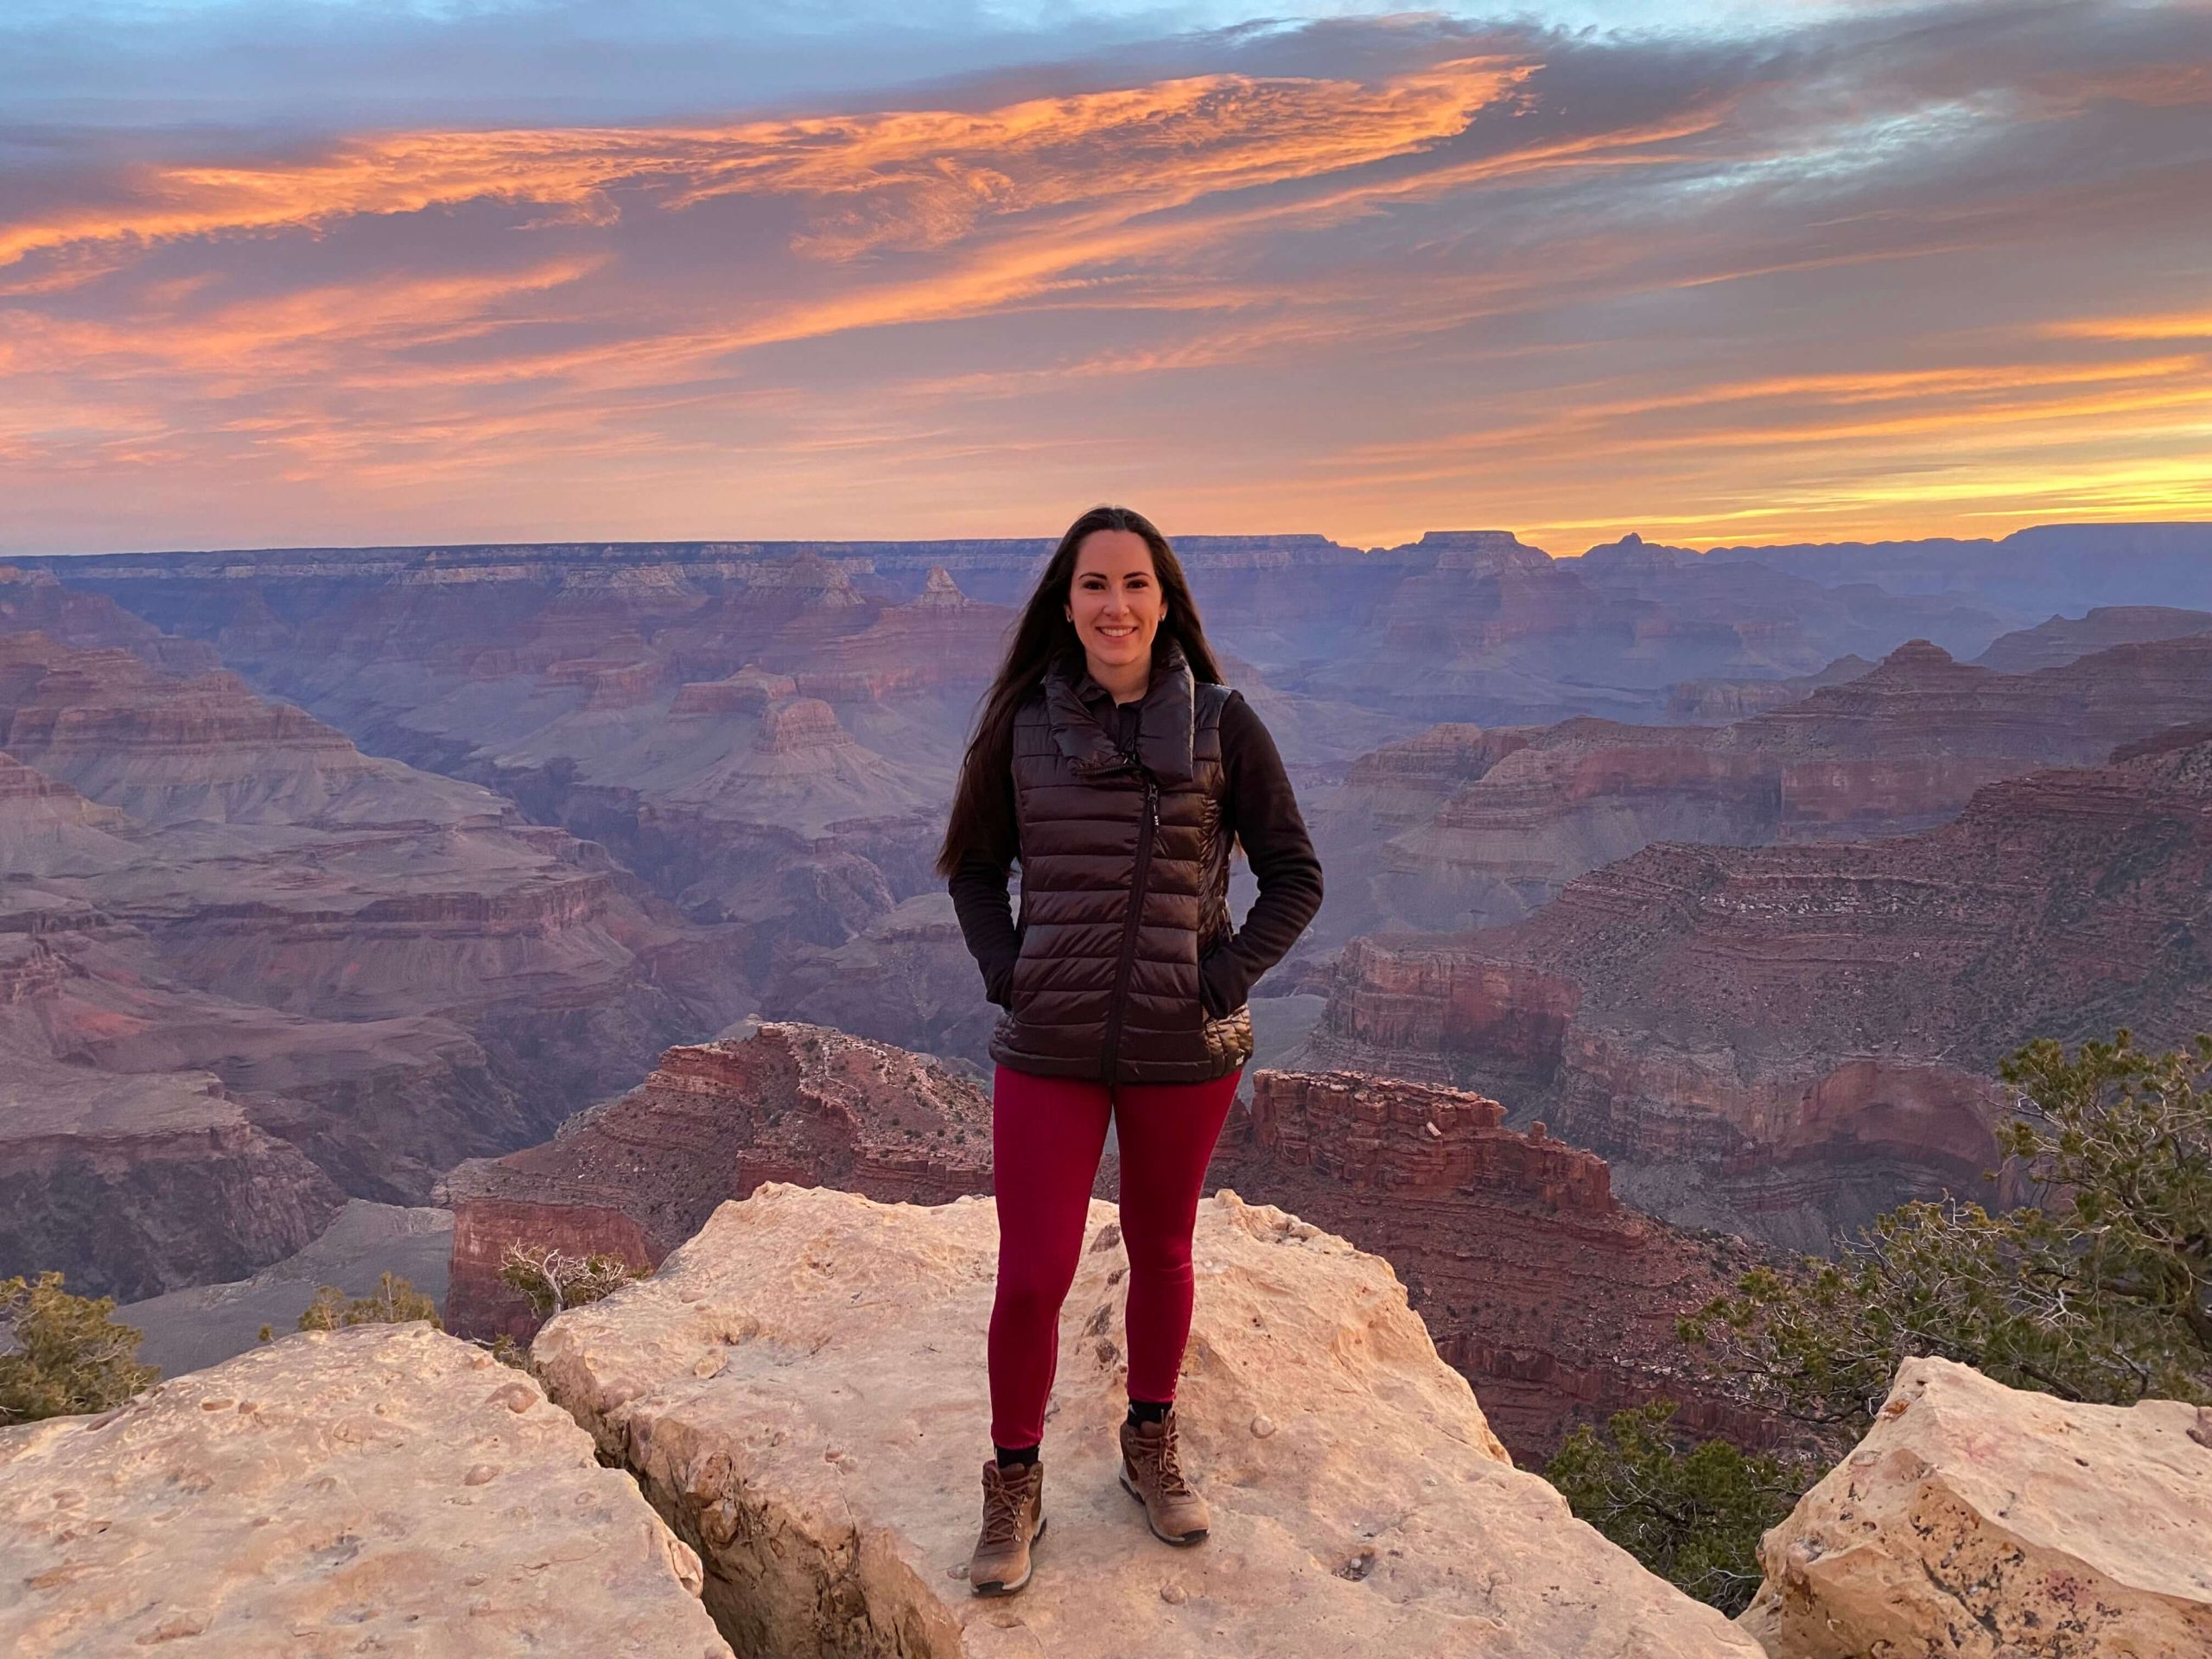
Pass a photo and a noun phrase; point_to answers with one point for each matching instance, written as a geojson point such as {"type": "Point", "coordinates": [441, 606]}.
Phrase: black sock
{"type": "Point", "coordinates": [1011, 1455]}
{"type": "Point", "coordinates": [1149, 1411]}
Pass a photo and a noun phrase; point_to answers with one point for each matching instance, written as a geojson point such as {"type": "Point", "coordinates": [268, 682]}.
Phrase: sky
{"type": "Point", "coordinates": [347, 272]}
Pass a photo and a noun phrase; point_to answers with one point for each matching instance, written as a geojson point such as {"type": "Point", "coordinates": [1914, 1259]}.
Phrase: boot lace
{"type": "Point", "coordinates": [1172, 1484]}
{"type": "Point", "coordinates": [1001, 1510]}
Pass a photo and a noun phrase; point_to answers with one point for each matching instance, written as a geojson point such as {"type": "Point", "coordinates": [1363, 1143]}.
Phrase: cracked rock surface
{"type": "Point", "coordinates": [385, 1488]}
{"type": "Point", "coordinates": [1978, 1520]}
{"type": "Point", "coordinates": [801, 1389]}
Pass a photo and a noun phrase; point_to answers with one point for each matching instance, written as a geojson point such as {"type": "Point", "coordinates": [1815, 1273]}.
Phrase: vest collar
{"type": "Point", "coordinates": [1078, 707]}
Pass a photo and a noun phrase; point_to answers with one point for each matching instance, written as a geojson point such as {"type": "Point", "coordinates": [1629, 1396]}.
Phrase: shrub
{"type": "Point", "coordinates": [60, 1354]}
{"type": "Point", "coordinates": [551, 1278]}
{"type": "Point", "coordinates": [2100, 1292]}
{"type": "Point", "coordinates": [1692, 1515]}
{"type": "Point", "coordinates": [394, 1301]}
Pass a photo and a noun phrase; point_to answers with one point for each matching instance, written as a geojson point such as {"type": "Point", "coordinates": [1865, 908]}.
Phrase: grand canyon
{"type": "Point", "coordinates": [1679, 907]}
{"type": "Point", "coordinates": [328, 870]}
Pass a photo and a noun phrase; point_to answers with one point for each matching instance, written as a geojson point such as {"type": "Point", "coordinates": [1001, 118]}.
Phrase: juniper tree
{"type": "Point", "coordinates": [61, 1353]}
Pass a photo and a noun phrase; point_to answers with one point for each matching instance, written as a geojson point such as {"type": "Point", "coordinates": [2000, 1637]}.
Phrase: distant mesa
{"type": "Point", "coordinates": [748, 691]}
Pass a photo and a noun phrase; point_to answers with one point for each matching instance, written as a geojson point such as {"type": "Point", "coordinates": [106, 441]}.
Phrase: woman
{"type": "Point", "coordinates": [1113, 764]}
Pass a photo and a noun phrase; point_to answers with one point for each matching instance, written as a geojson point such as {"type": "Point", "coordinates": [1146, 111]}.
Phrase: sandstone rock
{"type": "Point", "coordinates": [827, 1459]}
{"type": "Point", "coordinates": [380, 1488]}
{"type": "Point", "coordinates": [1977, 1520]}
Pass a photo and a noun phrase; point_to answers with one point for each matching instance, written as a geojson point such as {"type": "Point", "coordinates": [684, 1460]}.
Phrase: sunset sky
{"type": "Point", "coordinates": [347, 271]}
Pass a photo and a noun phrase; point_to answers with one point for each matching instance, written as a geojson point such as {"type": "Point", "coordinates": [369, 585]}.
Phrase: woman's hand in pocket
{"type": "Point", "coordinates": [1222, 984]}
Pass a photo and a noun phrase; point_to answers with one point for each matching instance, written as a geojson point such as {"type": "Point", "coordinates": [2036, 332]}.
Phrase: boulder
{"type": "Point", "coordinates": [1977, 1520]}
{"type": "Point", "coordinates": [382, 1489]}
{"type": "Point", "coordinates": [801, 1389]}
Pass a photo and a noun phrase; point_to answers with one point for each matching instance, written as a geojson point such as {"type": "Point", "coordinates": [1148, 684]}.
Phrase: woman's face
{"type": "Point", "coordinates": [1115, 599]}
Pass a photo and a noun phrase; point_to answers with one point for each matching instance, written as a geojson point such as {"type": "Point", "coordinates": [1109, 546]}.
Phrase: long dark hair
{"type": "Point", "coordinates": [982, 805]}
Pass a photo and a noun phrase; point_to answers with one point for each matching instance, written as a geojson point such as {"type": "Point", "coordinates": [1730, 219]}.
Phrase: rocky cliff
{"type": "Point", "coordinates": [800, 1389]}
{"type": "Point", "coordinates": [638, 1176]}
{"type": "Point", "coordinates": [771, 1446]}
{"type": "Point", "coordinates": [1554, 1298]}
{"type": "Point", "coordinates": [1900, 749]}
{"type": "Point", "coordinates": [1784, 1040]}
{"type": "Point", "coordinates": [1976, 1520]}
{"type": "Point", "coordinates": [2063, 639]}
{"type": "Point", "coordinates": [219, 897]}
{"type": "Point", "coordinates": [379, 1490]}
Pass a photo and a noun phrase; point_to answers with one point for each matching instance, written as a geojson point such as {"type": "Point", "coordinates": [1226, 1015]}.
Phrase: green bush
{"type": "Point", "coordinates": [2100, 1292]}
{"type": "Point", "coordinates": [1690, 1514]}
{"type": "Point", "coordinates": [394, 1301]}
{"type": "Point", "coordinates": [61, 1353]}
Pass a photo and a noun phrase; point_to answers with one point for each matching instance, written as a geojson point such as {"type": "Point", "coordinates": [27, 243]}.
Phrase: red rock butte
{"type": "Point", "coordinates": [636, 1176]}
{"type": "Point", "coordinates": [1556, 1300]}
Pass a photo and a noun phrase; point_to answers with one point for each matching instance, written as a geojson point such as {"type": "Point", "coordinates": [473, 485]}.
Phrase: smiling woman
{"type": "Point", "coordinates": [1111, 762]}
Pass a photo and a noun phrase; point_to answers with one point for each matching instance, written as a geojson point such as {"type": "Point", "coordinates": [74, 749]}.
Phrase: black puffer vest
{"type": "Point", "coordinates": [1124, 884]}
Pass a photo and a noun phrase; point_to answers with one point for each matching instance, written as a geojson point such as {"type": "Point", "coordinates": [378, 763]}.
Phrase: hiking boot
{"type": "Point", "coordinates": [1014, 1518]}
{"type": "Point", "coordinates": [1152, 1474]}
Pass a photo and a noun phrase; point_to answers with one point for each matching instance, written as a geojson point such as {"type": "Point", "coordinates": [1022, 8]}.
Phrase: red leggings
{"type": "Point", "coordinates": [1047, 1136]}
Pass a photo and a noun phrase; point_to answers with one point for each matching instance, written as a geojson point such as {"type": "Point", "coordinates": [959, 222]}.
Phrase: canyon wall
{"type": "Point", "coordinates": [366, 972]}
{"type": "Point", "coordinates": [1554, 1298]}
{"type": "Point", "coordinates": [1499, 826]}
{"type": "Point", "coordinates": [1784, 1040]}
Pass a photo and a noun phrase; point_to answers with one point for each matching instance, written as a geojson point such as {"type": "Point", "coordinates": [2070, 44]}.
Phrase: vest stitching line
{"type": "Point", "coordinates": [1118, 1008]}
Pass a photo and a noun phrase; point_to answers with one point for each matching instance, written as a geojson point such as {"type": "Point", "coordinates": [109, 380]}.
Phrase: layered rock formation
{"type": "Point", "coordinates": [801, 1389]}
{"type": "Point", "coordinates": [1784, 1040]}
{"type": "Point", "coordinates": [2063, 639]}
{"type": "Point", "coordinates": [1898, 749]}
{"type": "Point", "coordinates": [228, 938]}
{"type": "Point", "coordinates": [1557, 1301]}
{"type": "Point", "coordinates": [35, 601]}
{"type": "Point", "coordinates": [638, 1176]}
{"type": "Point", "coordinates": [1976, 1520]}
{"type": "Point", "coordinates": [383, 1488]}
{"type": "Point", "coordinates": [1722, 702]}
{"type": "Point", "coordinates": [1482, 626]}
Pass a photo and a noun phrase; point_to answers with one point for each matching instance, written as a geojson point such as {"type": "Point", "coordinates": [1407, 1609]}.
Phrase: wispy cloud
{"type": "Point", "coordinates": [1900, 271]}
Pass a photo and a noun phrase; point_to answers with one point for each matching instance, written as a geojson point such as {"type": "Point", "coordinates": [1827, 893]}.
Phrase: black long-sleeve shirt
{"type": "Point", "coordinates": [1261, 811]}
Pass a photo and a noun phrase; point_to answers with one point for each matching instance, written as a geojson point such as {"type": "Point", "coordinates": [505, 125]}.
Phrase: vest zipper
{"type": "Point", "coordinates": [1145, 830]}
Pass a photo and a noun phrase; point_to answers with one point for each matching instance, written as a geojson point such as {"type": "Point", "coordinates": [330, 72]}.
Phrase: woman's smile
{"type": "Point", "coordinates": [1116, 605]}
